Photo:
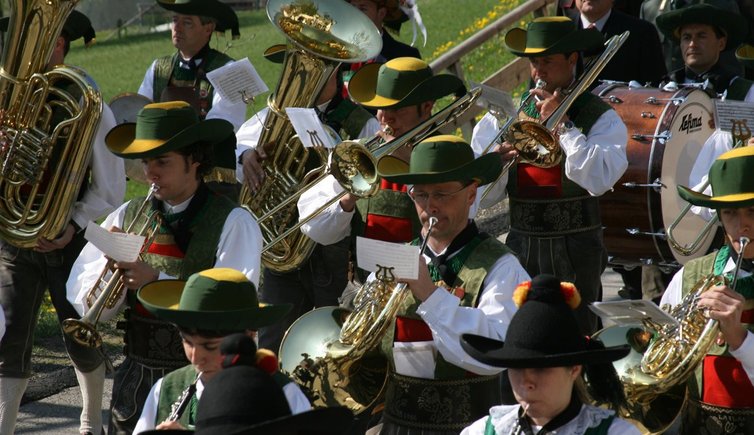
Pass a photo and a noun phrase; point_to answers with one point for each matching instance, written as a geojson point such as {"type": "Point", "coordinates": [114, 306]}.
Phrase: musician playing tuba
{"type": "Point", "coordinates": [206, 308]}
{"type": "Point", "coordinates": [26, 274]}
{"type": "Point", "coordinates": [548, 360]}
{"type": "Point", "coordinates": [198, 230]}
{"type": "Point", "coordinates": [721, 393]}
{"type": "Point", "coordinates": [555, 221]}
{"type": "Point", "coordinates": [465, 284]}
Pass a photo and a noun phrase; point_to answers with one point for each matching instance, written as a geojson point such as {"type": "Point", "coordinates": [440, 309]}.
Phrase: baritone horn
{"type": "Point", "coordinates": [536, 141]}
{"type": "Point", "coordinates": [354, 165]}
{"type": "Point", "coordinates": [107, 292]}
{"type": "Point", "coordinates": [326, 350]}
{"type": "Point", "coordinates": [741, 135]}
{"type": "Point", "coordinates": [48, 120]}
{"type": "Point", "coordinates": [664, 356]}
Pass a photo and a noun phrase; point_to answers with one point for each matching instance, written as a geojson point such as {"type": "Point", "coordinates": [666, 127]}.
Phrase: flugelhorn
{"type": "Point", "coordinates": [106, 292]}
{"type": "Point", "coordinates": [664, 356]}
{"type": "Point", "coordinates": [536, 141]}
{"type": "Point", "coordinates": [354, 165]}
{"type": "Point", "coordinates": [332, 371]}
{"type": "Point", "coordinates": [741, 134]}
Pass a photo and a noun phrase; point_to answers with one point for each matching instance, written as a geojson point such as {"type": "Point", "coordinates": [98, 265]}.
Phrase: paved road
{"type": "Point", "coordinates": [59, 414]}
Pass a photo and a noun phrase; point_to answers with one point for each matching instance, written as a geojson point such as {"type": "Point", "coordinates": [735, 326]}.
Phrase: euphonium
{"type": "Point", "coordinates": [321, 34]}
{"type": "Point", "coordinates": [47, 123]}
{"type": "Point", "coordinates": [334, 343]}
{"type": "Point", "coordinates": [108, 288]}
{"type": "Point", "coordinates": [663, 357]}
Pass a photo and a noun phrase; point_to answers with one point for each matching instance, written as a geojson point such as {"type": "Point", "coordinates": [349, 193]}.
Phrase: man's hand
{"type": "Point", "coordinates": [348, 202]}
{"type": "Point", "coordinates": [507, 152]}
{"type": "Point", "coordinates": [46, 245]}
{"type": "Point", "coordinates": [252, 168]}
{"type": "Point", "coordinates": [169, 425]}
{"type": "Point", "coordinates": [136, 274]}
{"type": "Point", "coordinates": [423, 287]}
{"type": "Point", "coordinates": [725, 306]}
{"type": "Point", "coordinates": [546, 102]}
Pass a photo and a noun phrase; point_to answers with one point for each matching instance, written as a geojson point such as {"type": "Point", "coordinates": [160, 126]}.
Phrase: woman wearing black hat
{"type": "Point", "coordinates": [548, 358]}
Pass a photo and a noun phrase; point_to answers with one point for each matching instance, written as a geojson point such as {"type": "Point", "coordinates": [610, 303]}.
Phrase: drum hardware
{"type": "Point", "coordinates": [657, 101]}
{"type": "Point", "coordinates": [661, 138]}
{"type": "Point", "coordinates": [649, 115]}
{"type": "Point", "coordinates": [638, 232]}
{"type": "Point", "coordinates": [656, 185]}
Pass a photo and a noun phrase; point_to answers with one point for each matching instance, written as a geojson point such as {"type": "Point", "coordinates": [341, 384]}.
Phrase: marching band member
{"type": "Point", "coordinates": [25, 274]}
{"type": "Point", "coordinates": [199, 230]}
{"type": "Point", "coordinates": [465, 285]}
{"type": "Point", "coordinates": [318, 281]}
{"type": "Point", "coordinates": [555, 221]}
{"type": "Point", "coordinates": [183, 75]}
{"type": "Point", "coordinates": [547, 356]}
{"type": "Point", "coordinates": [208, 307]}
{"type": "Point", "coordinates": [403, 91]}
{"type": "Point", "coordinates": [721, 393]}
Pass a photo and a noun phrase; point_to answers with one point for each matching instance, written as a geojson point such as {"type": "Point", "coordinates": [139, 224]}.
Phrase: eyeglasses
{"type": "Point", "coordinates": [422, 198]}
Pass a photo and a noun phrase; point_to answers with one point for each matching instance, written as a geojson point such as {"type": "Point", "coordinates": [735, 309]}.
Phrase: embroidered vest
{"type": "Point", "coordinates": [721, 381]}
{"type": "Point", "coordinates": [167, 72]}
{"type": "Point", "coordinates": [480, 255]}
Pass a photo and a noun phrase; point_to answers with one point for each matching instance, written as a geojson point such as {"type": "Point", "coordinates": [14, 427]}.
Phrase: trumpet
{"type": "Point", "coordinates": [741, 134]}
{"type": "Point", "coordinates": [354, 165]}
{"type": "Point", "coordinates": [106, 293]}
{"type": "Point", "coordinates": [536, 142]}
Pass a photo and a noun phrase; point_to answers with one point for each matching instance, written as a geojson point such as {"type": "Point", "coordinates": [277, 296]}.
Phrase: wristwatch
{"type": "Point", "coordinates": [567, 125]}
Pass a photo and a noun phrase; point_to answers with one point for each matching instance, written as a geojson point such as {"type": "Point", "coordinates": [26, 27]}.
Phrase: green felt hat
{"type": "Point", "coordinates": [732, 181]}
{"type": "Point", "coordinates": [440, 159]}
{"type": "Point", "coordinates": [745, 55]}
{"type": "Point", "coordinates": [220, 299]}
{"type": "Point", "coordinates": [713, 12]}
{"type": "Point", "coordinates": [76, 26]}
{"type": "Point", "coordinates": [551, 35]}
{"type": "Point", "coordinates": [400, 82]}
{"type": "Point", "coordinates": [169, 126]}
{"type": "Point", "coordinates": [224, 15]}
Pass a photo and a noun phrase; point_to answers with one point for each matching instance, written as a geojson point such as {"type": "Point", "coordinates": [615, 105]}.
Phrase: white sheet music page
{"type": "Point", "coordinates": [403, 258]}
{"type": "Point", "coordinates": [309, 128]}
{"type": "Point", "coordinates": [118, 246]}
{"type": "Point", "coordinates": [631, 312]}
{"type": "Point", "coordinates": [237, 81]}
{"type": "Point", "coordinates": [726, 111]}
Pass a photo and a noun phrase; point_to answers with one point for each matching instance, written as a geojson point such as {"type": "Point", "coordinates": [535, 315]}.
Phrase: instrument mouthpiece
{"type": "Point", "coordinates": [432, 221]}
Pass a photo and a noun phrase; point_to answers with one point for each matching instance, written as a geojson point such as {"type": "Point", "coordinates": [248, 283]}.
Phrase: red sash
{"type": "Point", "coordinates": [725, 383]}
{"type": "Point", "coordinates": [534, 182]}
{"type": "Point", "coordinates": [389, 228]}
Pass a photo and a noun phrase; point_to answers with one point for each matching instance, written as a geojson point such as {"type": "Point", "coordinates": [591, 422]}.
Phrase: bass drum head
{"type": "Point", "coordinates": [691, 126]}
{"type": "Point", "coordinates": [125, 107]}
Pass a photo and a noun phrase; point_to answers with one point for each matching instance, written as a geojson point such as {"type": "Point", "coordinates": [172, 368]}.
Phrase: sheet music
{"type": "Point", "coordinates": [309, 128]}
{"type": "Point", "coordinates": [500, 103]}
{"type": "Point", "coordinates": [237, 81]}
{"type": "Point", "coordinates": [403, 258]}
{"type": "Point", "coordinates": [631, 312]}
{"type": "Point", "coordinates": [726, 111]}
{"type": "Point", "coordinates": [118, 246]}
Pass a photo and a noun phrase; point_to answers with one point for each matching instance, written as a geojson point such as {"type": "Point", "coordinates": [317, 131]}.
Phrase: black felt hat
{"type": "Point", "coordinates": [717, 13]}
{"type": "Point", "coordinates": [76, 26]}
{"type": "Point", "coordinates": [543, 332]}
{"type": "Point", "coordinates": [223, 14]}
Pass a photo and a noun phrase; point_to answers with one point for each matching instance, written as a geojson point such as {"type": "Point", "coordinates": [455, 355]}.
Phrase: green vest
{"type": "Point", "coordinates": [480, 255]}
{"type": "Point", "coordinates": [350, 117]}
{"type": "Point", "coordinates": [584, 113]}
{"type": "Point", "coordinates": [602, 429]}
{"type": "Point", "coordinates": [167, 72]}
{"type": "Point", "coordinates": [206, 229]}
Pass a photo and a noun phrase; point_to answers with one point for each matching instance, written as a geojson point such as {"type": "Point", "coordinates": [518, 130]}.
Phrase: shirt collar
{"type": "Point", "coordinates": [173, 209]}
{"type": "Point", "coordinates": [599, 24]}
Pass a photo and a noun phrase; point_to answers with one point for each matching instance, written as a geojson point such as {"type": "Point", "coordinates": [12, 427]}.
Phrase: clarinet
{"type": "Point", "coordinates": [179, 406]}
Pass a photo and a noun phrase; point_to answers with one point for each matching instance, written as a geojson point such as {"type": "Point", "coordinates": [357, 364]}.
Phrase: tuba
{"type": "Point", "coordinates": [47, 124]}
{"type": "Point", "coordinates": [321, 34]}
{"type": "Point", "coordinates": [338, 367]}
{"type": "Point", "coordinates": [107, 292]}
{"type": "Point", "coordinates": [663, 357]}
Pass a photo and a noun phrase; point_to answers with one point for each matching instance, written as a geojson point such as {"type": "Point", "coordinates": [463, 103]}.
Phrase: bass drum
{"type": "Point", "coordinates": [125, 107]}
{"type": "Point", "coordinates": [666, 131]}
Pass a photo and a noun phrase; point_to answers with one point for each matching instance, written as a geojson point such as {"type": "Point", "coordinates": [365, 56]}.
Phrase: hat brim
{"type": "Point", "coordinates": [162, 297]}
{"type": "Point", "coordinates": [745, 55]}
{"type": "Point", "coordinates": [363, 86]}
{"type": "Point", "coordinates": [493, 352]}
{"type": "Point", "coordinates": [224, 14]}
{"type": "Point", "coordinates": [578, 40]}
{"type": "Point", "coordinates": [737, 200]}
{"type": "Point", "coordinates": [484, 170]}
{"type": "Point", "coordinates": [121, 141]}
{"type": "Point", "coordinates": [734, 25]}
{"type": "Point", "coordinates": [325, 421]}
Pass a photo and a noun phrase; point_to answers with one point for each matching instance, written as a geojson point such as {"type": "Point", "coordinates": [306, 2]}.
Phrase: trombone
{"type": "Point", "coordinates": [354, 165]}
{"type": "Point", "coordinates": [535, 141]}
{"type": "Point", "coordinates": [741, 134]}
